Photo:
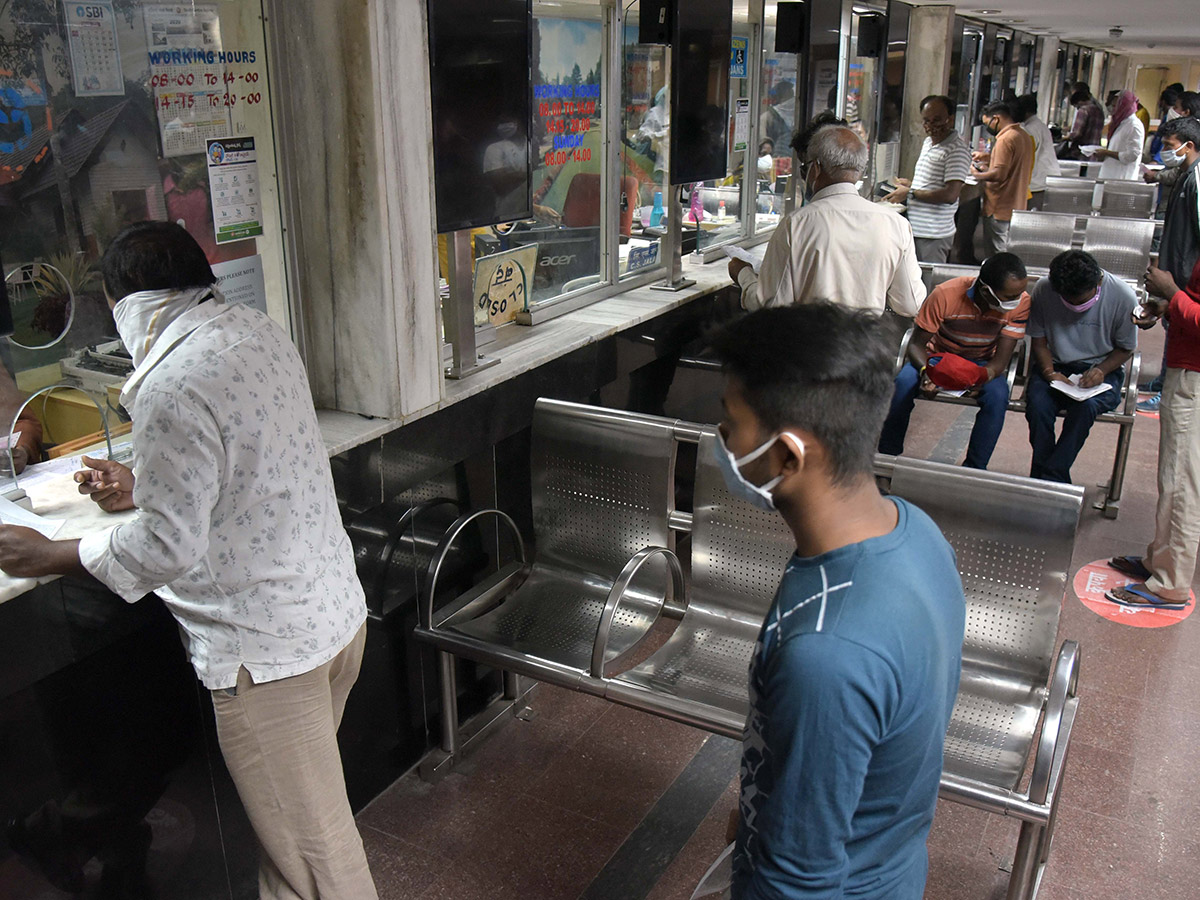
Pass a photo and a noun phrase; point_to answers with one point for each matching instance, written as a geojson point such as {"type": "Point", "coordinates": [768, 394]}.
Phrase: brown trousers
{"type": "Point", "coordinates": [279, 739]}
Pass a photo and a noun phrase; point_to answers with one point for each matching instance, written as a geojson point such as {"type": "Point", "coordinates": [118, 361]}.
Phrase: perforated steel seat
{"type": "Point", "coordinates": [738, 556]}
{"type": "Point", "coordinates": [603, 485]}
{"type": "Point", "coordinates": [1069, 195]}
{"type": "Point", "coordinates": [1121, 246]}
{"type": "Point", "coordinates": [1038, 237]}
{"type": "Point", "coordinates": [1013, 540]}
{"type": "Point", "coordinates": [1128, 199]}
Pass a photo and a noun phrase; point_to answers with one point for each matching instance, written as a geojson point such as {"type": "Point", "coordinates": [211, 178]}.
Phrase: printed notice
{"type": "Point", "coordinates": [241, 281]}
{"type": "Point", "coordinates": [502, 284]}
{"type": "Point", "coordinates": [234, 188]}
{"type": "Point", "coordinates": [95, 56]}
{"type": "Point", "coordinates": [741, 124]}
{"type": "Point", "coordinates": [188, 76]}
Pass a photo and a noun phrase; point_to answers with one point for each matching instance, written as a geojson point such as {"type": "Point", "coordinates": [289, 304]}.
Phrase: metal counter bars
{"type": "Point", "coordinates": [559, 619]}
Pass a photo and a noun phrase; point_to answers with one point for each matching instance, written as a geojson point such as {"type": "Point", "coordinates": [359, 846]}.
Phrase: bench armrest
{"type": "Point", "coordinates": [902, 355]}
{"type": "Point", "coordinates": [1053, 739]}
{"type": "Point", "coordinates": [617, 593]}
{"type": "Point", "coordinates": [1133, 370]}
{"type": "Point", "coordinates": [425, 609]}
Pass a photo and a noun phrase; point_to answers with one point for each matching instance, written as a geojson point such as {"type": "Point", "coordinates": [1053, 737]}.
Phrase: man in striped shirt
{"type": "Point", "coordinates": [941, 171]}
{"type": "Point", "coordinates": [980, 319]}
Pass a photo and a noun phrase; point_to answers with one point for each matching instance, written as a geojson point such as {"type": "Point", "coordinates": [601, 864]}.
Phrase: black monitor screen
{"type": "Point", "coordinates": [479, 57]}
{"type": "Point", "coordinates": [700, 89]}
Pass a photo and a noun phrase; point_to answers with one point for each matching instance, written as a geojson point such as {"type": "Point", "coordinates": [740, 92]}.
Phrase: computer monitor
{"type": "Point", "coordinates": [703, 30]}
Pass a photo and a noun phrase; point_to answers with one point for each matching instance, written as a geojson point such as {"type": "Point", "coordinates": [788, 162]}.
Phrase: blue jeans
{"type": "Point", "coordinates": [989, 421]}
{"type": "Point", "coordinates": [1052, 459]}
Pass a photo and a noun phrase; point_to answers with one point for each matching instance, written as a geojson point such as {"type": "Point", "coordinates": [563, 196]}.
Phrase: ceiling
{"type": "Point", "coordinates": [1154, 27]}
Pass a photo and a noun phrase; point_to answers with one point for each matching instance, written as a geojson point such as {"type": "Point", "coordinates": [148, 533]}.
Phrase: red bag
{"type": "Point", "coordinates": [954, 373]}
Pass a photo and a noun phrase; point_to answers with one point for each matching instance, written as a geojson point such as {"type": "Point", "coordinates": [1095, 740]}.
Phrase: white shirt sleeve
{"type": "Point", "coordinates": [907, 290]}
{"type": "Point", "coordinates": [772, 285]}
{"type": "Point", "coordinates": [1128, 139]}
{"type": "Point", "coordinates": [175, 493]}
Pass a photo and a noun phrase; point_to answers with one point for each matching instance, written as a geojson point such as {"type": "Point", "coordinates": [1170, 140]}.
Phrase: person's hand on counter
{"type": "Point", "coordinates": [735, 268]}
{"type": "Point", "coordinates": [108, 483]}
{"type": "Point", "coordinates": [25, 553]}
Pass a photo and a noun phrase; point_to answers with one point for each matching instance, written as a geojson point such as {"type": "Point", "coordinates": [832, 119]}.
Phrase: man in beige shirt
{"type": "Point", "coordinates": [837, 247]}
{"type": "Point", "coordinates": [1004, 173]}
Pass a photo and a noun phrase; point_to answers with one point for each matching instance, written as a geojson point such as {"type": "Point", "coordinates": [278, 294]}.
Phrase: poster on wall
{"type": "Point", "coordinates": [95, 56]}
{"type": "Point", "coordinates": [241, 281]}
{"type": "Point", "coordinates": [188, 76]}
{"type": "Point", "coordinates": [234, 188]}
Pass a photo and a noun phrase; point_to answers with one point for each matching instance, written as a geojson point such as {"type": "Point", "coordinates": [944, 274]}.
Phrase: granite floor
{"type": "Point", "coordinates": [594, 800]}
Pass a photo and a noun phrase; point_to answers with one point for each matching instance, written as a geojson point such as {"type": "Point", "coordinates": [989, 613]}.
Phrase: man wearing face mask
{"type": "Point", "coordinates": [937, 181]}
{"type": "Point", "coordinates": [1005, 173]}
{"type": "Point", "coordinates": [838, 246]}
{"type": "Point", "coordinates": [238, 532]}
{"type": "Point", "coordinates": [856, 668]}
{"type": "Point", "coordinates": [1081, 326]}
{"type": "Point", "coordinates": [1180, 246]}
{"type": "Point", "coordinates": [980, 319]}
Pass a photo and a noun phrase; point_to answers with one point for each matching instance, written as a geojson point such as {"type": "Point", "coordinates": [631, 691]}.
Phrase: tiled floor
{"type": "Point", "coordinates": [543, 806]}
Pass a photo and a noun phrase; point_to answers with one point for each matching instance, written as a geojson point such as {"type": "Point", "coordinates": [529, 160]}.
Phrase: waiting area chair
{"type": "Point", "coordinates": [1121, 246]}
{"type": "Point", "coordinates": [1038, 237]}
{"type": "Point", "coordinates": [1069, 195]}
{"type": "Point", "coordinates": [1128, 199]}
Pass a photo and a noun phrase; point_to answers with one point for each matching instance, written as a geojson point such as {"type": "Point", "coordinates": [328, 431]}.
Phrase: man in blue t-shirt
{"type": "Point", "coordinates": [856, 669]}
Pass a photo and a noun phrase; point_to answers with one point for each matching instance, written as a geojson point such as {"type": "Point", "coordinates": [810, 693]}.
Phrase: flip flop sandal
{"type": "Point", "coordinates": [1130, 565]}
{"type": "Point", "coordinates": [1137, 595]}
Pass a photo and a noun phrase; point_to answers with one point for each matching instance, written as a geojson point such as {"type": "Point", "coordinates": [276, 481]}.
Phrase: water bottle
{"type": "Point", "coordinates": [656, 213]}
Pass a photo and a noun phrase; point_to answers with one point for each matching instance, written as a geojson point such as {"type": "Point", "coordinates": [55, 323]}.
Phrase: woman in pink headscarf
{"type": "Point", "coordinates": [1126, 135]}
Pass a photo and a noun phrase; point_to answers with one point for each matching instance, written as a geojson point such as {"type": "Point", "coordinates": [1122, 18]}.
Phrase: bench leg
{"type": "Point", "coordinates": [1025, 862]}
{"type": "Point", "coordinates": [439, 762]}
{"type": "Point", "coordinates": [1112, 500]}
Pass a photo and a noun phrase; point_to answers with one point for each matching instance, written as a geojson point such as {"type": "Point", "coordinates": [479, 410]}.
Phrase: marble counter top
{"type": "Point", "coordinates": [58, 497]}
{"type": "Point", "coordinates": [520, 350]}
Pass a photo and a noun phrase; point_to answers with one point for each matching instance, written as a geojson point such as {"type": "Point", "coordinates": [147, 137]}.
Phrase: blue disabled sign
{"type": "Point", "coordinates": [737, 57]}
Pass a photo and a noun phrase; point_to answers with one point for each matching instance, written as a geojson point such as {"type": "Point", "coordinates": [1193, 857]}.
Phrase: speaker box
{"type": "Point", "coordinates": [872, 35]}
{"type": "Point", "coordinates": [791, 27]}
{"type": "Point", "coordinates": [654, 21]}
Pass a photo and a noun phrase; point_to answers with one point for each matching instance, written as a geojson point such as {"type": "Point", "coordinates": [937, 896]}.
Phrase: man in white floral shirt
{"type": "Point", "coordinates": [238, 531]}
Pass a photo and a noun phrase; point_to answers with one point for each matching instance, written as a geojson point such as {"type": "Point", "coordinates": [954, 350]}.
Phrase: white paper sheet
{"type": "Point", "coordinates": [11, 514]}
{"type": "Point", "coordinates": [1075, 392]}
{"type": "Point", "coordinates": [746, 256]}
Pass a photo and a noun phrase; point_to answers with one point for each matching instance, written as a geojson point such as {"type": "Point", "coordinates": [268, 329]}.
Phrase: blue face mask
{"type": "Point", "coordinates": [758, 495]}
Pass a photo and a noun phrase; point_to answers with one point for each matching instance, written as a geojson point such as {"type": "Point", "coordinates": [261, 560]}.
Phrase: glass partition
{"type": "Point", "coordinates": [779, 99]}
{"type": "Point", "coordinates": [119, 111]}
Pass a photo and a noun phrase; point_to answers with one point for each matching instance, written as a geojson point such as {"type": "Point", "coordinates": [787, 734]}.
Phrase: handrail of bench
{"type": "Point", "coordinates": [1062, 687]}
{"type": "Point", "coordinates": [443, 548]}
{"type": "Point", "coordinates": [617, 593]}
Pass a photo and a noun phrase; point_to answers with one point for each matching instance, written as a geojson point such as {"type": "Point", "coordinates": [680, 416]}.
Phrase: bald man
{"type": "Point", "coordinates": [837, 247]}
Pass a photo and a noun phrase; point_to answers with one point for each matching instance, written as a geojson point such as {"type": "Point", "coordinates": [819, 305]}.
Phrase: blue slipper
{"type": "Point", "coordinates": [1138, 595]}
{"type": "Point", "coordinates": [1130, 565]}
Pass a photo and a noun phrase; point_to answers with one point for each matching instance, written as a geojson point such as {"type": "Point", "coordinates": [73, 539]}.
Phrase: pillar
{"type": "Point", "coordinates": [930, 29]}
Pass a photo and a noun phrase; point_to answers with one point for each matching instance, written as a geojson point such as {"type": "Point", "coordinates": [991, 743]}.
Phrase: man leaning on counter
{"type": "Point", "coordinates": [238, 531]}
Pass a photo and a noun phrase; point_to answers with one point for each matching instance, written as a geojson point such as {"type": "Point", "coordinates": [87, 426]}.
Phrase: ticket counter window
{"type": "Point", "coordinates": [715, 210]}
{"type": "Point", "coordinates": [645, 146]}
{"type": "Point", "coordinates": [564, 240]}
{"type": "Point", "coordinates": [778, 102]}
{"type": "Point", "coordinates": [116, 111]}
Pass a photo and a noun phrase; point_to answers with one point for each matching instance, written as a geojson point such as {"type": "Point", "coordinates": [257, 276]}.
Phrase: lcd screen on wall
{"type": "Point", "coordinates": [479, 57]}
{"type": "Point", "coordinates": [700, 90]}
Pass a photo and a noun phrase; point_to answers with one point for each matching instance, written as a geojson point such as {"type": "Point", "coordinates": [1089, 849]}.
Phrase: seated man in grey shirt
{"type": "Point", "coordinates": [1080, 323]}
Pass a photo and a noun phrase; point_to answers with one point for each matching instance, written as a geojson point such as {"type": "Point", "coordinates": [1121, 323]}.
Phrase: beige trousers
{"type": "Point", "coordinates": [1171, 556]}
{"type": "Point", "coordinates": [279, 739]}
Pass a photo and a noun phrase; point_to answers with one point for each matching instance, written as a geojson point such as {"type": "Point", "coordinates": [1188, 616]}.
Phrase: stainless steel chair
{"type": "Point", "coordinates": [1069, 195]}
{"type": "Point", "coordinates": [1038, 237]}
{"type": "Point", "coordinates": [603, 493]}
{"type": "Point", "coordinates": [1013, 543]}
{"type": "Point", "coordinates": [738, 555]}
{"type": "Point", "coordinates": [1121, 246]}
{"type": "Point", "coordinates": [1128, 199]}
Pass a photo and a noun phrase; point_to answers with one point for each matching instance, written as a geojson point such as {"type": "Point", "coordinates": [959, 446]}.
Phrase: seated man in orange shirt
{"type": "Point", "coordinates": [980, 319]}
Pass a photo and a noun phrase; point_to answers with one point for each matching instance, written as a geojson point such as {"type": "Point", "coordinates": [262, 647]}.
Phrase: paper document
{"type": "Point", "coordinates": [745, 256]}
{"type": "Point", "coordinates": [1075, 392]}
{"type": "Point", "coordinates": [950, 393]}
{"type": "Point", "coordinates": [11, 514]}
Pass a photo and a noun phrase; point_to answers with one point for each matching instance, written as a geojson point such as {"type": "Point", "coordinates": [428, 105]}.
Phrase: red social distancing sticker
{"type": "Point", "coordinates": [1097, 577]}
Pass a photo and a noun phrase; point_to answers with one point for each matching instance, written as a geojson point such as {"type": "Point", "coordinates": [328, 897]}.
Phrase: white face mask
{"type": "Point", "coordinates": [1172, 158]}
{"type": "Point", "coordinates": [758, 495]}
{"type": "Point", "coordinates": [992, 299]}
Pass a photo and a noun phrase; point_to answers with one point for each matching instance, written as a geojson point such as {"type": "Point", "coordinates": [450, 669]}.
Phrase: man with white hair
{"type": "Point", "coordinates": [837, 247]}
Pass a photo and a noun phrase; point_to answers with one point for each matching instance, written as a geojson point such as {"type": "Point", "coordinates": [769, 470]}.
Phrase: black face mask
{"type": "Point", "coordinates": [993, 130]}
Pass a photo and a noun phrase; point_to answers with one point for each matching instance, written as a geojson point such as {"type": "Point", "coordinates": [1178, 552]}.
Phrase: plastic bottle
{"type": "Point", "coordinates": [697, 206]}
{"type": "Point", "coordinates": [721, 210]}
{"type": "Point", "coordinates": [656, 213]}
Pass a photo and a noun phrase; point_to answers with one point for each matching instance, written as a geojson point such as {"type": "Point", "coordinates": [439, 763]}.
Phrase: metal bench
{"type": "Point", "coordinates": [1069, 195]}
{"type": "Point", "coordinates": [1013, 544]}
{"type": "Point", "coordinates": [1120, 246]}
{"type": "Point", "coordinates": [1038, 237]}
{"type": "Point", "coordinates": [1128, 199]}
